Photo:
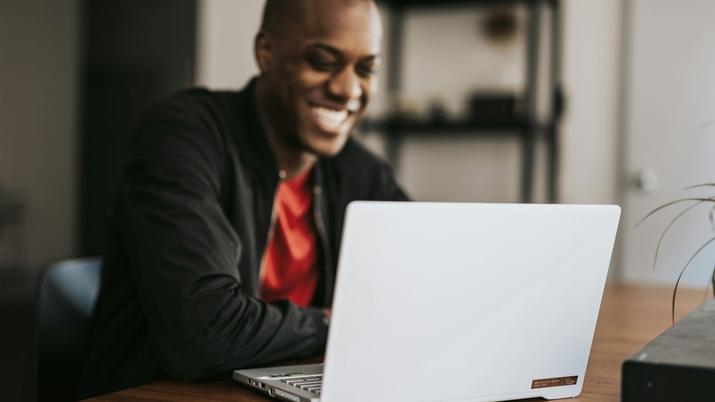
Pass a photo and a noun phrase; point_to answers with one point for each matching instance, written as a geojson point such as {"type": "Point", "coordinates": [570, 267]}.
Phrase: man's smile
{"type": "Point", "coordinates": [329, 118]}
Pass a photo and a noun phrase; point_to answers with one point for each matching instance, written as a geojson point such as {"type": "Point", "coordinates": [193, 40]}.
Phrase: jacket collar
{"type": "Point", "coordinates": [257, 151]}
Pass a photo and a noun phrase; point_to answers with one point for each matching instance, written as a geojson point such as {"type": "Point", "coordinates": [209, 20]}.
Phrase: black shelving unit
{"type": "Point", "coordinates": [525, 126]}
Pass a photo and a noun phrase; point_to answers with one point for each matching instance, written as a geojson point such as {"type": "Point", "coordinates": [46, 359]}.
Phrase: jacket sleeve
{"type": "Point", "coordinates": [183, 255]}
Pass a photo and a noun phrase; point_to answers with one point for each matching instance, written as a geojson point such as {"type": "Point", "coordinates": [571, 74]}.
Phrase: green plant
{"type": "Point", "coordinates": [711, 216]}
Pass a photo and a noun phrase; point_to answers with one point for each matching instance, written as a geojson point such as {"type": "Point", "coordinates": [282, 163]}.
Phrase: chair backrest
{"type": "Point", "coordinates": [68, 292]}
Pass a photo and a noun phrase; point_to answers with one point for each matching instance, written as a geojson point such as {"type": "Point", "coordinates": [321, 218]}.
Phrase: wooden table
{"type": "Point", "coordinates": [630, 317]}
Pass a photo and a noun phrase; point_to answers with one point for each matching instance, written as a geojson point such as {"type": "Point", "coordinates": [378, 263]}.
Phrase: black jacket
{"type": "Point", "coordinates": [180, 277]}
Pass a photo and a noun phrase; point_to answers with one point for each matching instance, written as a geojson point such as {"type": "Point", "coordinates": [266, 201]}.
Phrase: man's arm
{"type": "Point", "coordinates": [184, 257]}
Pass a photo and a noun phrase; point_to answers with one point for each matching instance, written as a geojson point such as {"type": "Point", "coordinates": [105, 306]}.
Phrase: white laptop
{"type": "Point", "coordinates": [458, 302]}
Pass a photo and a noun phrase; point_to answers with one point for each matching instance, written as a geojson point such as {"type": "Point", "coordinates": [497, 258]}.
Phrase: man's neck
{"type": "Point", "coordinates": [290, 160]}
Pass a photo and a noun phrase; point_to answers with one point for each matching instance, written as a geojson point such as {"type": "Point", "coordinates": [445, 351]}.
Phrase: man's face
{"type": "Point", "coordinates": [322, 69]}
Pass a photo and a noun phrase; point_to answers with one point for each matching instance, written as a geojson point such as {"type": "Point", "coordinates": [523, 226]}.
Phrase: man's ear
{"type": "Point", "coordinates": [263, 51]}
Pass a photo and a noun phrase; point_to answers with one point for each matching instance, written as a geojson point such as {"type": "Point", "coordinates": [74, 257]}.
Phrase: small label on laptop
{"type": "Point", "coordinates": [554, 382]}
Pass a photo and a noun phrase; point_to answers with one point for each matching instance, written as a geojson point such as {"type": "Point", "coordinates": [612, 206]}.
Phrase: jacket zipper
{"type": "Point", "coordinates": [271, 229]}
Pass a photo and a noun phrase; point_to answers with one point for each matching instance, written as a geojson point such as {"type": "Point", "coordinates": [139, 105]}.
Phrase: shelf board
{"type": "Point", "coordinates": [427, 128]}
{"type": "Point", "coordinates": [449, 3]}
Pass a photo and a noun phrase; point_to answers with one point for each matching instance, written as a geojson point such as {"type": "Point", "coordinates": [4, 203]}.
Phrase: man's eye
{"type": "Point", "coordinates": [366, 71]}
{"type": "Point", "coordinates": [321, 65]}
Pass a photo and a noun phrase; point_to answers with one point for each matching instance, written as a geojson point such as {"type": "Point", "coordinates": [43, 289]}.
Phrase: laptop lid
{"type": "Point", "coordinates": [457, 302]}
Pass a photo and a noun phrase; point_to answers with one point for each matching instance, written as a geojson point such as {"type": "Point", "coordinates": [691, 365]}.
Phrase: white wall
{"type": "Point", "coordinates": [670, 91]}
{"type": "Point", "coordinates": [38, 120]}
{"type": "Point", "coordinates": [592, 46]}
{"type": "Point", "coordinates": [225, 33]}
{"type": "Point", "coordinates": [445, 59]}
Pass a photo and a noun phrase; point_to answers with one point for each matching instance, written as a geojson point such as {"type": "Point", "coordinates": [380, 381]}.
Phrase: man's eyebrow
{"type": "Point", "coordinates": [326, 47]}
{"type": "Point", "coordinates": [338, 53]}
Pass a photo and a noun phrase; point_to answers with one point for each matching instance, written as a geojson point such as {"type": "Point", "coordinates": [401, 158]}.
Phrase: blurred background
{"type": "Point", "coordinates": [571, 101]}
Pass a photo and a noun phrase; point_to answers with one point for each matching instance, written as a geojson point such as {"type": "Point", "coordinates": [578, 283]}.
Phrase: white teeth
{"type": "Point", "coordinates": [329, 119]}
{"type": "Point", "coordinates": [353, 105]}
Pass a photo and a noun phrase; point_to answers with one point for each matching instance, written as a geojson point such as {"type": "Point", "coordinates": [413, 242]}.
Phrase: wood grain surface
{"type": "Point", "coordinates": [630, 317]}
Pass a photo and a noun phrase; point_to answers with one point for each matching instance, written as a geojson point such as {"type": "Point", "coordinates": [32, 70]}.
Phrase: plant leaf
{"type": "Point", "coordinates": [667, 204]}
{"type": "Point", "coordinates": [682, 271]}
{"type": "Point", "coordinates": [700, 185]}
{"type": "Point", "coordinates": [667, 228]}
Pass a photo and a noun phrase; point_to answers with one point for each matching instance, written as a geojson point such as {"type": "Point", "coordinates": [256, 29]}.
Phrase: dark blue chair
{"type": "Point", "coordinates": [68, 292]}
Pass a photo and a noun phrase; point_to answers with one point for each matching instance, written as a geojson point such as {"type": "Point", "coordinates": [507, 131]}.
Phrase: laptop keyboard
{"type": "Point", "coordinates": [312, 383]}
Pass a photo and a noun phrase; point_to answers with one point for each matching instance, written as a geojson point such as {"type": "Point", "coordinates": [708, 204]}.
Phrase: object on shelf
{"type": "Point", "coordinates": [496, 112]}
{"type": "Point", "coordinates": [437, 111]}
{"type": "Point", "coordinates": [402, 107]}
{"type": "Point", "coordinates": [500, 25]}
{"type": "Point", "coordinates": [495, 107]}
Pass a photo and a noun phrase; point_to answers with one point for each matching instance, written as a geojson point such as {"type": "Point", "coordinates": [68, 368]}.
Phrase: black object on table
{"type": "Point", "coordinates": [678, 365]}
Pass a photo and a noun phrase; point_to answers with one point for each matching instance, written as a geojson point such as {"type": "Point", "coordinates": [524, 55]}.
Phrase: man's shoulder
{"type": "Point", "coordinates": [368, 176]}
{"type": "Point", "coordinates": [360, 169]}
{"type": "Point", "coordinates": [356, 155]}
{"type": "Point", "coordinates": [202, 114]}
{"type": "Point", "coordinates": [190, 123]}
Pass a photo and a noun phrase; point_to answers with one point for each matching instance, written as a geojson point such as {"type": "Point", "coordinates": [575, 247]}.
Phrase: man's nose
{"type": "Point", "coordinates": [345, 86]}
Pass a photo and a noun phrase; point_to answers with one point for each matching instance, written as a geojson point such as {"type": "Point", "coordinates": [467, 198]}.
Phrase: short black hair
{"type": "Point", "coordinates": [276, 12]}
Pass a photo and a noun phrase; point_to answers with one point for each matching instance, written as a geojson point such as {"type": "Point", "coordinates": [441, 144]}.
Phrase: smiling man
{"type": "Point", "coordinates": [225, 236]}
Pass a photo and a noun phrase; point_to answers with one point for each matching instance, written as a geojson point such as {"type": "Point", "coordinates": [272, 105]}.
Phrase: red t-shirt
{"type": "Point", "coordinates": [289, 263]}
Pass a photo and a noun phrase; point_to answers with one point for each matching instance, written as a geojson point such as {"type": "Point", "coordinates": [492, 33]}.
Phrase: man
{"type": "Point", "coordinates": [227, 227]}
